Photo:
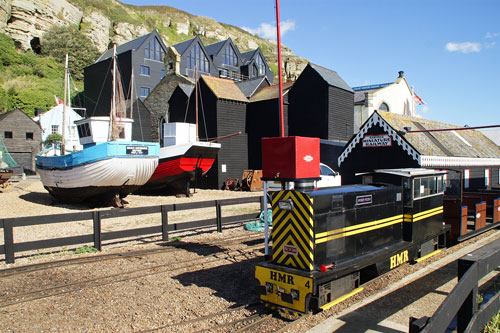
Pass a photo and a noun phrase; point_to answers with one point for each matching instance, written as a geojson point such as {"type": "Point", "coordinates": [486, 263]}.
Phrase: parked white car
{"type": "Point", "coordinates": [329, 178]}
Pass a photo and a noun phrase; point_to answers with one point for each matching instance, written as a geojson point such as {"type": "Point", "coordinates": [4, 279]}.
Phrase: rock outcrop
{"type": "Point", "coordinates": [27, 20]}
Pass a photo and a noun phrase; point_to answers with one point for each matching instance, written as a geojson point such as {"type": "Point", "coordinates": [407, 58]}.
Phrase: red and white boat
{"type": "Point", "coordinates": [181, 157]}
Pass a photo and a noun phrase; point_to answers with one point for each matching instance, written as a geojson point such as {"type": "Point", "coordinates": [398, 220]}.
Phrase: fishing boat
{"type": "Point", "coordinates": [182, 158]}
{"type": "Point", "coordinates": [110, 165]}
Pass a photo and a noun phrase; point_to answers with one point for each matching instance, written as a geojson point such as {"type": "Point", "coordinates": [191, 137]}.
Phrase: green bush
{"type": "Point", "coordinates": [53, 139]}
{"type": "Point", "coordinates": [62, 40]}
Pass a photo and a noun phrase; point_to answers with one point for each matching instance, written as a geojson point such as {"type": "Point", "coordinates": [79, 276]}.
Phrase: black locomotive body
{"type": "Point", "coordinates": [328, 242]}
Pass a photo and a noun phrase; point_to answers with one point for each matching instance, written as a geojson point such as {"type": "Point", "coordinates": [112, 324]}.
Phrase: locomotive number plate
{"type": "Point", "coordinates": [137, 150]}
{"type": "Point", "coordinates": [291, 250]}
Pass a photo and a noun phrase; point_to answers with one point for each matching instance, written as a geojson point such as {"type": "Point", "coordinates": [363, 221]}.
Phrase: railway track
{"type": "Point", "coordinates": [122, 255]}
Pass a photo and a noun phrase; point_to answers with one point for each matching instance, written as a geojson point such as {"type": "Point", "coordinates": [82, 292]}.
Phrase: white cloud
{"type": "Point", "coordinates": [492, 34]}
{"type": "Point", "coordinates": [490, 45]}
{"type": "Point", "coordinates": [465, 47]}
{"type": "Point", "coordinates": [267, 30]}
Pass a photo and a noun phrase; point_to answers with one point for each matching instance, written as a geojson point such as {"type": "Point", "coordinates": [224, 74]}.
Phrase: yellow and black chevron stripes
{"type": "Point", "coordinates": [357, 229]}
{"type": "Point", "coordinates": [293, 229]}
{"type": "Point", "coordinates": [423, 215]}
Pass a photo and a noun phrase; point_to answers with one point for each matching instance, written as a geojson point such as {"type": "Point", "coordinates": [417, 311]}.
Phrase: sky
{"type": "Point", "coordinates": [449, 50]}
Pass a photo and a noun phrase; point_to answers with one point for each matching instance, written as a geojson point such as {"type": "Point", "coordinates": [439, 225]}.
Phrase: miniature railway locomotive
{"type": "Point", "coordinates": [327, 242]}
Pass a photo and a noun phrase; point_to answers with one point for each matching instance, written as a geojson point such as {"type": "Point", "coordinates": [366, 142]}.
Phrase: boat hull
{"type": "Point", "coordinates": [178, 164]}
{"type": "Point", "coordinates": [99, 173]}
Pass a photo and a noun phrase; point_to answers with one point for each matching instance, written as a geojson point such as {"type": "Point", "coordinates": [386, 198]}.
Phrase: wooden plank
{"type": "Point", "coordinates": [240, 218]}
{"type": "Point", "coordinates": [8, 241]}
{"type": "Point", "coordinates": [97, 230]}
{"type": "Point", "coordinates": [130, 233]}
{"type": "Point", "coordinates": [164, 223]}
{"type": "Point", "coordinates": [56, 242]}
{"type": "Point", "coordinates": [193, 205]}
{"type": "Point", "coordinates": [49, 219]}
{"type": "Point", "coordinates": [227, 202]}
{"type": "Point", "coordinates": [192, 224]}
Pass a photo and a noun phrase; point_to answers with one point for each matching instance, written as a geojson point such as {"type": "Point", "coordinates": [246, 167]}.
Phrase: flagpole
{"type": "Point", "coordinates": [282, 121]}
{"type": "Point", "coordinates": [63, 144]}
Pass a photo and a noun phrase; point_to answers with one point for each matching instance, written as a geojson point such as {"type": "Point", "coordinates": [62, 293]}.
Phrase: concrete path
{"type": "Point", "coordinates": [417, 295]}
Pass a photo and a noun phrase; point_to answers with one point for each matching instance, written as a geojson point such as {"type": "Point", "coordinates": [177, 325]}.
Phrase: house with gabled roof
{"type": "Point", "coordinates": [385, 141]}
{"type": "Point", "coordinates": [396, 97]}
{"type": "Point", "coordinates": [252, 86]}
{"type": "Point", "coordinates": [22, 137]}
{"type": "Point", "coordinates": [221, 112]}
{"type": "Point", "coordinates": [141, 59]}
{"type": "Point", "coordinates": [227, 58]}
{"type": "Point", "coordinates": [321, 105]}
{"type": "Point", "coordinates": [255, 65]}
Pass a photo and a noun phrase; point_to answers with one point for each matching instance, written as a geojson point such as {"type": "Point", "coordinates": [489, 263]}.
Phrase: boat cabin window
{"type": "Point", "coordinates": [83, 130]}
{"type": "Point", "coordinates": [427, 186]}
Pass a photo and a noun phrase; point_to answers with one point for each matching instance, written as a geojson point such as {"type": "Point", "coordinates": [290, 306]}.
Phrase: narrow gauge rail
{"type": "Point", "coordinates": [111, 256]}
{"type": "Point", "coordinates": [230, 255]}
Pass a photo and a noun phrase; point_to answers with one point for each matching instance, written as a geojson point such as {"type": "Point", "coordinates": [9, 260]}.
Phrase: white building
{"type": "Point", "coordinates": [51, 122]}
{"type": "Point", "coordinates": [396, 97]}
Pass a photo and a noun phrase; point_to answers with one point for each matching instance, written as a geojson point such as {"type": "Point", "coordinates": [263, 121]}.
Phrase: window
{"type": "Point", "coordinates": [145, 70]}
{"type": "Point", "coordinates": [83, 130]}
{"type": "Point", "coordinates": [466, 178]}
{"type": "Point", "coordinates": [54, 129]}
{"type": "Point", "coordinates": [427, 186]}
{"type": "Point", "coordinates": [229, 56]}
{"type": "Point", "coordinates": [254, 70]}
{"type": "Point", "coordinates": [162, 73]}
{"type": "Point", "coordinates": [348, 131]}
{"type": "Point", "coordinates": [144, 92]}
{"type": "Point", "coordinates": [384, 107]}
{"type": "Point", "coordinates": [7, 135]}
{"type": "Point", "coordinates": [154, 51]}
{"type": "Point", "coordinates": [197, 58]}
{"type": "Point", "coordinates": [29, 135]}
{"type": "Point", "coordinates": [261, 65]}
{"type": "Point", "coordinates": [486, 177]}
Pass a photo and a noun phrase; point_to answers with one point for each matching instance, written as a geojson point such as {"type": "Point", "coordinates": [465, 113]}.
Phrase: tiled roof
{"type": "Point", "coordinates": [271, 92]}
{"type": "Point", "coordinates": [248, 86]}
{"type": "Point", "coordinates": [463, 143]}
{"type": "Point", "coordinates": [493, 134]}
{"type": "Point", "coordinates": [224, 89]}
{"type": "Point", "coordinates": [331, 77]}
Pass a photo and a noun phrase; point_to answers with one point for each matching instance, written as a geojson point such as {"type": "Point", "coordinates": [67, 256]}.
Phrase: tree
{"type": "Point", "coordinates": [62, 40]}
{"type": "Point", "coordinates": [53, 139]}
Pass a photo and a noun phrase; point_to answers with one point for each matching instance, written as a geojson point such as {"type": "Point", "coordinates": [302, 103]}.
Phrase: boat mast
{"type": "Point", "coordinates": [131, 91]}
{"type": "Point", "coordinates": [196, 98]}
{"type": "Point", "coordinates": [282, 122]}
{"type": "Point", "coordinates": [112, 113]}
{"type": "Point", "coordinates": [63, 143]}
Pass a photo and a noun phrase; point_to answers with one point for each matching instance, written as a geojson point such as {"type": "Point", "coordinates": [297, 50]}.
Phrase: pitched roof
{"type": "Point", "coordinates": [248, 87]}
{"type": "Point", "coordinates": [247, 56]}
{"type": "Point", "coordinates": [187, 89]}
{"type": "Point", "coordinates": [224, 89]}
{"type": "Point", "coordinates": [215, 48]}
{"type": "Point", "coordinates": [493, 134]}
{"type": "Point", "coordinates": [431, 149]}
{"type": "Point", "coordinates": [183, 46]}
{"type": "Point", "coordinates": [360, 92]}
{"type": "Point", "coordinates": [331, 77]}
{"type": "Point", "coordinates": [271, 92]}
{"type": "Point", "coordinates": [131, 45]}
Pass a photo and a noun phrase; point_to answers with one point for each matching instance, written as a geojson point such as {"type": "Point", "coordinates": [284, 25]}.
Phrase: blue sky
{"type": "Point", "coordinates": [448, 49]}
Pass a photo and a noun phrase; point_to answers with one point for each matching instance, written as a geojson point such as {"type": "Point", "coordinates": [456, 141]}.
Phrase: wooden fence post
{"type": "Point", "coordinates": [96, 216]}
{"type": "Point", "coordinates": [8, 237]}
{"type": "Point", "coordinates": [219, 216]}
{"type": "Point", "coordinates": [164, 223]}
{"type": "Point", "coordinates": [470, 305]}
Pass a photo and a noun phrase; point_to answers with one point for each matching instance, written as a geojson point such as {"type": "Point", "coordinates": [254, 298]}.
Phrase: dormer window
{"type": "Point", "coordinates": [384, 107]}
{"type": "Point", "coordinates": [261, 66]}
{"type": "Point", "coordinates": [154, 51]}
{"type": "Point", "coordinates": [229, 56]}
{"type": "Point", "coordinates": [197, 58]}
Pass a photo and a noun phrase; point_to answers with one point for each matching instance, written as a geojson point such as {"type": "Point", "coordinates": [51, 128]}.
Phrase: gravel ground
{"type": "Point", "coordinates": [201, 274]}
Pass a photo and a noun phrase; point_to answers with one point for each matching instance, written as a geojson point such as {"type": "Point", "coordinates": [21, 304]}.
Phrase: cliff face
{"type": "Point", "coordinates": [27, 20]}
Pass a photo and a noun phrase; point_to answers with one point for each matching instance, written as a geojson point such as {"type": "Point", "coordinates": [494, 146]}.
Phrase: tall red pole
{"type": "Point", "coordinates": [279, 67]}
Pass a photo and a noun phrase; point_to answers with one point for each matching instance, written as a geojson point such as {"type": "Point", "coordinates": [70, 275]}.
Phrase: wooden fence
{"type": "Point", "coordinates": [10, 247]}
{"type": "Point", "coordinates": [462, 300]}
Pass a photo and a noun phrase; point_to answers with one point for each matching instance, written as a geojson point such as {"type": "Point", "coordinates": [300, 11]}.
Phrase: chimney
{"type": "Point", "coordinates": [401, 74]}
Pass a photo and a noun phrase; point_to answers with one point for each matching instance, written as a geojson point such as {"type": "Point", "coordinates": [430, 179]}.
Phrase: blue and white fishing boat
{"type": "Point", "coordinates": [109, 167]}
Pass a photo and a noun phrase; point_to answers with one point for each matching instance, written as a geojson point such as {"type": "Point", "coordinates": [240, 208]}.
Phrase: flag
{"type": "Point", "coordinates": [58, 101]}
{"type": "Point", "coordinates": [418, 100]}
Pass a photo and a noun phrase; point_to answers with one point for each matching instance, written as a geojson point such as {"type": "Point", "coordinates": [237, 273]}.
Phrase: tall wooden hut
{"type": "Point", "coordinates": [321, 105]}
{"type": "Point", "coordinates": [221, 111]}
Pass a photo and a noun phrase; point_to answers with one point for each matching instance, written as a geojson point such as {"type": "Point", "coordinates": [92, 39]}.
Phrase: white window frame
{"type": "Point", "coordinates": [466, 178]}
{"type": "Point", "coordinates": [487, 177]}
